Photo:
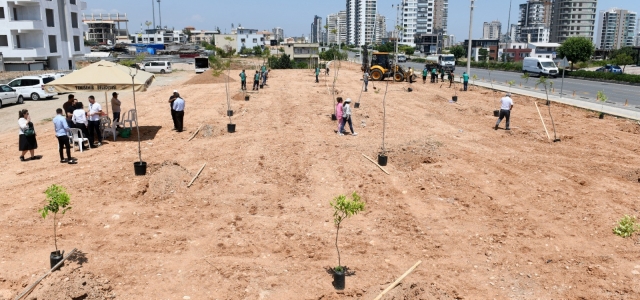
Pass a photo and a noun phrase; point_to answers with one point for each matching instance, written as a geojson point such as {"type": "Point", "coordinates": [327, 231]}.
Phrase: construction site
{"type": "Point", "coordinates": [471, 212]}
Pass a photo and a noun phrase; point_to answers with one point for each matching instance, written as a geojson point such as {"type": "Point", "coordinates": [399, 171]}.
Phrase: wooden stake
{"type": "Point", "coordinates": [626, 102]}
{"type": "Point", "coordinates": [194, 134]}
{"type": "Point", "coordinates": [376, 164]}
{"type": "Point", "coordinates": [195, 177]}
{"type": "Point", "coordinates": [398, 280]}
{"type": "Point", "coordinates": [33, 285]}
{"type": "Point", "coordinates": [545, 126]}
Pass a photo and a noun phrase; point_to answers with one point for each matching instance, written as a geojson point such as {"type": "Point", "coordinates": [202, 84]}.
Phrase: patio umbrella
{"type": "Point", "coordinates": [105, 76]}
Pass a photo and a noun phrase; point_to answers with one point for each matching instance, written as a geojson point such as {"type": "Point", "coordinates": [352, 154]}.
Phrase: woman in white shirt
{"type": "Point", "coordinates": [27, 141]}
{"type": "Point", "coordinates": [80, 119]}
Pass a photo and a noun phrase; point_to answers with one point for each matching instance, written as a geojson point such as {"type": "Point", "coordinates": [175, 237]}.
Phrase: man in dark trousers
{"type": "Point", "coordinates": [506, 106]}
{"type": "Point", "coordinates": [434, 75]}
{"type": "Point", "coordinates": [178, 107]}
{"type": "Point", "coordinates": [93, 117]}
{"type": "Point", "coordinates": [173, 112]}
{"type": "Point", "coordinates": [256, 81]}
{"type": "Point", "coordinates": [317, 73]}
{"type": "Point", "coordinates": [465, 78]}
{"type": "Point", "coordinates": [62, 134]}
{"type": "Point", "coordinates": [243, 81]}
{"type": "Point", "coordinates": [451, 78]}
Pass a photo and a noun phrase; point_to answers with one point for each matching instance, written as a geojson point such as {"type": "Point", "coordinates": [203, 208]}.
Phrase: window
{"type": "Point", "coordinates": [53, 47]}
{"type": "Point", "coordinates": [76, 43]}
{"type": "Point", "coordinates": [74, 20]}
{"type": "Point", "coordinates": [4, 41]}
{"type": "Point", "coordinates": [255, 41]}
{"type": "Point", "coordinates": [1, 12]}
{"type": "Point", "coordinates": [72, 2]}
{"type": "Point", "coordinates": [49, 15]}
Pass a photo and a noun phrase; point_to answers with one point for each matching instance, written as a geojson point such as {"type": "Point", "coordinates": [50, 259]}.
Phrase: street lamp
{"type": "Point", "coordinates": [469, 48]}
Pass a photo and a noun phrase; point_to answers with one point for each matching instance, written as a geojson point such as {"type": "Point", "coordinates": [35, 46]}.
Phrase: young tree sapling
{"type": "Point", "coordinates": [58, 203]}
{"type": "Point", "coordinates": [344, 208]}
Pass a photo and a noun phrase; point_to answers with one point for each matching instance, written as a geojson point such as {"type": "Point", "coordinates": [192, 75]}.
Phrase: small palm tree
{"type": "Point", "coordinates": [511, 83]}
{"type": "Point", "coordinates": [525, 76]}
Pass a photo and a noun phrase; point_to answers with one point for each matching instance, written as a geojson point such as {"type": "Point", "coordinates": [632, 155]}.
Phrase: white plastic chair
{"type": "Point", "coordinates": [109, 127]}
{"type": "Point", "coordinates": [77, 137]}
{"type": "Point", "coordinates": [132, 117]}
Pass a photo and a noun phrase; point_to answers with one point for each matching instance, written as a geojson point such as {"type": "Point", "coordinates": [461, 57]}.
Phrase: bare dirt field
{"type": "Point", "coordinates": [491, 214]}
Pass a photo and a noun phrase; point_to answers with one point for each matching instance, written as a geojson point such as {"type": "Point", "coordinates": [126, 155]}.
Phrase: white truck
{"type": "Point", "coordinates": [201, 64]}
{"type": "Point", "coordinates": [445, 62]}
{"type": "Point", "coordinates": [541, 66]}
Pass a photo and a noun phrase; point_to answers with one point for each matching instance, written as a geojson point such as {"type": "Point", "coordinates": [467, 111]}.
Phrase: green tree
{"type": "Point", "coordinates": [458, 51]}
{"type": "Point", "coordinates": [386, 47]}
{"type": "Point", "coordinates": [623, 60]}
{"type": "Point", "coordinates": [58, 203]}
{"type": "Point", "coordinates": [344, 208]}
{"type": "Point", "coordinates": [624, 50]}
{"type": "Point", "coordinates": [257, 50]}
{"type": "Point", "coordinates": [576, 49]}
{"type": "Point", "coordinates": [332, 54]}
{"type": "Point", "coordinates": [188, 33]}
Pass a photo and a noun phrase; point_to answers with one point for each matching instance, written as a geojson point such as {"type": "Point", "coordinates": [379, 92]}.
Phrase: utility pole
{"type": "Point", "coordinates": [469, 48]}
{"type": "Point", "coordinates": [506, 58]}
{"type": "Point", "coordinates": [153, 8]}
{"type": "Point", "coordinates": [160, 13]}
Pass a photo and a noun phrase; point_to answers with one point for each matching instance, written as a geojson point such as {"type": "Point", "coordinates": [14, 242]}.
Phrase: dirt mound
{"type": "Point", "coordinates": [71, 282]}
{"type": "Point", "coordinates": [630, 127]}
{"type": "Point", "coordinates": [208, 78]}
{"type": "Point", "coordinates": [167, 180]}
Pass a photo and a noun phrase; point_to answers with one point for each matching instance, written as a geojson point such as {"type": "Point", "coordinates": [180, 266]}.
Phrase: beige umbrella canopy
{"type": "Point", "coordinates": [102, 76]}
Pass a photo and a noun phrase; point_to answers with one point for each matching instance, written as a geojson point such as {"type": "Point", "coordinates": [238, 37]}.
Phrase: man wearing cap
{"type": "Point", "coordinates": [115, 107]}
{"type": "Point", "coordinates": [346, 116]}
{"type": "Point", "coordinates": [178, 107]}
{"type": "Point", "coordinates": [506, 105]}
{"type": "Point", "coordinates": [69, 105]}
{"type": "Point", "coordinates": [173, 112]}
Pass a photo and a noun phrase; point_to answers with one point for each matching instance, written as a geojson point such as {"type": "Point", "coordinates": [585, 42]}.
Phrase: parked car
{"type": "Point", "coordinates": [32, 87]}
{"type": "Point", "coordinates": [402, 58]}
{"type": "Point", "coordinates": [610, 69]}
{"type": "Point", "coordinates": [9, 95]}
{"type": "Point", "coordinates": [161, 67]}
{"type": "Point", "coordinates": [541, 66]}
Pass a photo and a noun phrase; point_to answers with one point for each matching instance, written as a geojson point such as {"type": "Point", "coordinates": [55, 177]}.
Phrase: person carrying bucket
{"type": "Point", "coordinates": [506, 106]}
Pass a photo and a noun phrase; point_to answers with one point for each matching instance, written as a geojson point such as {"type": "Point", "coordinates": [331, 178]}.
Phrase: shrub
{"type": "Point", "coordinates": [626, 226]}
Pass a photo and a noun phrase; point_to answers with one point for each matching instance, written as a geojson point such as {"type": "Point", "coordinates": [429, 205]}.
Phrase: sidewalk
{"type": "Point", "coordinates": [609, 108]}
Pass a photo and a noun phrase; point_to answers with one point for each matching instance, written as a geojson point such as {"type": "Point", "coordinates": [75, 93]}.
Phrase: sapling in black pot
{"type": "Point", "coordinates": [343, 208]}
{"type": "Point", "coordinates": [382, 155]}
{"type": "Point", "coordinates": [58, 203]}
{"type": "Point", "coordinates": [230, 127]}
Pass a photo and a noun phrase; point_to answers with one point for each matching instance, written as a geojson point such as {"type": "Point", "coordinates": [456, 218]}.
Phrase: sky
{"type": "Point", "coordinates": [296, 16]}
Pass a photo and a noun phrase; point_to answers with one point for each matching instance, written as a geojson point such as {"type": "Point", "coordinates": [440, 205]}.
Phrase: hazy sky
{"type": "Point", "coordinates": [295, 16]}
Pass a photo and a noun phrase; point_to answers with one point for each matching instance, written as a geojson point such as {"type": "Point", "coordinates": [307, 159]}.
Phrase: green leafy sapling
{"type": "Point", "coordinates": [58, 203]}
{"type": "Point", "coordinates": [525, 76]}
{"type": "Point", "coordinates": [545, 83]}
{"type": "Point", "coordinates": [626, 226]}
{"type": "Point", "coordinates": [344, 208]}
{"type": "Point", "coordinates": [511, 83]}
{"type": "Point", "coordinates": [602, 97]}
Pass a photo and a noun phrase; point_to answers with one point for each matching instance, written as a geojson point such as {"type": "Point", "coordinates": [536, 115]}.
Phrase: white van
{"type": "Point", "coordinates": [541, 66]}
{"type": "Point", "coordinates": [157, 67]}
{"type": "Point", "coordinates": [32, 87]}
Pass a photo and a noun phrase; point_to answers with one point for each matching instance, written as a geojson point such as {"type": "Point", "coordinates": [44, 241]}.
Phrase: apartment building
{"type": "Point", "coordinates": [534, 22]}
{"type": "Point", "coordinates": [616, 29]}
{"type": "Point", "coordinates": [40, 30]}
{"type": "Point", "coordinates": [278, 34]}
{"type": "Point", "coordinates": [491, 30]}
{"type": "Point", "coordinates": [423, 21]}
{"type": "Point", "coordinates": [361, 20]}
{"type": "Point", "coordinates": [571, 18]}
{"type": "Point", "coordinates": [105, 28]}
{"type": "Point", "coordinates": [337, 28]}
{"type": "Point", "coordinates": [316, 30]}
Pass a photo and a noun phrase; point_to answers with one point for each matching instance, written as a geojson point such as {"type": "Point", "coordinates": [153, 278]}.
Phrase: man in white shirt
{"type": "Point", "coordinates": [178, 107]}
{"type": "Point", "coordinates": [506, 105]}
{"type": "Point", "coordinates": [95, 111]}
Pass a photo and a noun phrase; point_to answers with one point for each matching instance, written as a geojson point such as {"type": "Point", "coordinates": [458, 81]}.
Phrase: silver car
{"type": "Point", "coordinates": [9, 95]}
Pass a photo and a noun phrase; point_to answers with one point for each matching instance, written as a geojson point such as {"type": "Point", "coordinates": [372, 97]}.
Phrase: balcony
{"type": "Point", "coordinates": [26, 25]}
{"type": "Point", "coordinates": [28, 52]}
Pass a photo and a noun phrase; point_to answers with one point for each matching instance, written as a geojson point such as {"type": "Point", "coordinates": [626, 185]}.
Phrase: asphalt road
{"type": "Point", "coordinates": [585, 90]}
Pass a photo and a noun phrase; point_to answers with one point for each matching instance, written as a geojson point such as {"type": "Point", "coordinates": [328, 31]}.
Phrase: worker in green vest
{"type": "Point", "coordinates": [465, 80]}
{"type": "Point", "coordinates": [433, 75]}
{"type": "Point", "coordinates": [317, 73]}
{"type": "Point", "coordinates": [243, 81]}
{"type": "Point", "coordinates": [424, 75]}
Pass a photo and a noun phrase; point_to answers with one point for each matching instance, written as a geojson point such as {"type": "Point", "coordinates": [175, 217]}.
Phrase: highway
{"type": "Point", "coordinates": [585, 90]}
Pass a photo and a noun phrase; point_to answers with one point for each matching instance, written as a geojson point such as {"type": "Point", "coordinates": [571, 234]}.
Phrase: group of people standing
{"type": "Point", "coordinates": [343, 114]}
{"type": "Point", "coordinates": [263, 74]}
{"type": "Point", "coordinates": [451, 76]}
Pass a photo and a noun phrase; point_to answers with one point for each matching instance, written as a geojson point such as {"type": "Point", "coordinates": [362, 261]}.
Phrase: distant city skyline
{"type": "Point", "coordinates": [294, 16]}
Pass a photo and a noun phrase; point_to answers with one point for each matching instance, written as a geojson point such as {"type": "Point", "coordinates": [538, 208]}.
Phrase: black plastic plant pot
{"type": "Point", "coordinates": [140, 168]}
{"type": "Point", "coordinates": [357, 105]}
{"type": "Point", "coordinates": [261, 86]}
{"type": "Point", "coordinates": [333, 117]}
{"type": "Point", "coordinates": [338, 279]}
{"type": "Point", "coordinates": [246, 98]}
{"type": "Point", "coordinates": [496, 113]}
{"type": "Point", "coordinates": [382, 160]}
{"type": "Point", "coordinates": [601, 116]}
{"type": "Point", "coordinates": [454, 98]}
{"type": "Point", "coordinates": [229, 113]}
{"type": "Point", "coordinates": [231, 128]}
{"type": "Point", "coordinates": [55, 258]}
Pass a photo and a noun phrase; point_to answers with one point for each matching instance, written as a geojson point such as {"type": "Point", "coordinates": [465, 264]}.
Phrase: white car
{"type": "Point", "coordinates": [161, 67]}
{"type": "Point", "coordinates": [8, 95]}
{"type": "Point", "coordinates": [32, 87]}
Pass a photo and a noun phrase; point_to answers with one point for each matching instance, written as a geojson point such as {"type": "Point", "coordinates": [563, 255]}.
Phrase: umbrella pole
{"type": "Point", "coordinates": [133, 87]}
{"type": "Point", "coordinates": [106, 102]}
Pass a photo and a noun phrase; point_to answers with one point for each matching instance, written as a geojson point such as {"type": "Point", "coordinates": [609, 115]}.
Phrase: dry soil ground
{"type": "Point", "coordinates": [492, 214]}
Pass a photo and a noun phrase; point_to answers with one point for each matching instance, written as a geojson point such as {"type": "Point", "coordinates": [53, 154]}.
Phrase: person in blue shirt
{"type": "Point", "coordinates": [62, 129]}
{"type": "Point", "coordinates": [178, 106]}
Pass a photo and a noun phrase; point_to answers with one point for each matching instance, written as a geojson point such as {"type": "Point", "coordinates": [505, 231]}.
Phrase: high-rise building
{"type": "Point", "coordinates": [337, 28]}
{"type": "Point", "coordinates": [278, 34]}
{"type": "Point", "coordinates": [572, 18]}
{"type": "Point", "coordinates": [491, 30]}
{"type": "Point", "coordinates": [638, 34]}
{"type": "Point", "coordinates": [617, 29]}
{"type": "Point", "coordinates": [381, 28]}
{"type": "Point", "coordinates": [316, 30]}
{"type": "Point", "coordinates": [534, 22]}
{"type": "Point", "coordinates": [361, 19]}
{"type": "Point", "coordinates": [423, 18]}
{"type": "Point", "coordinates": [49, 32]}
